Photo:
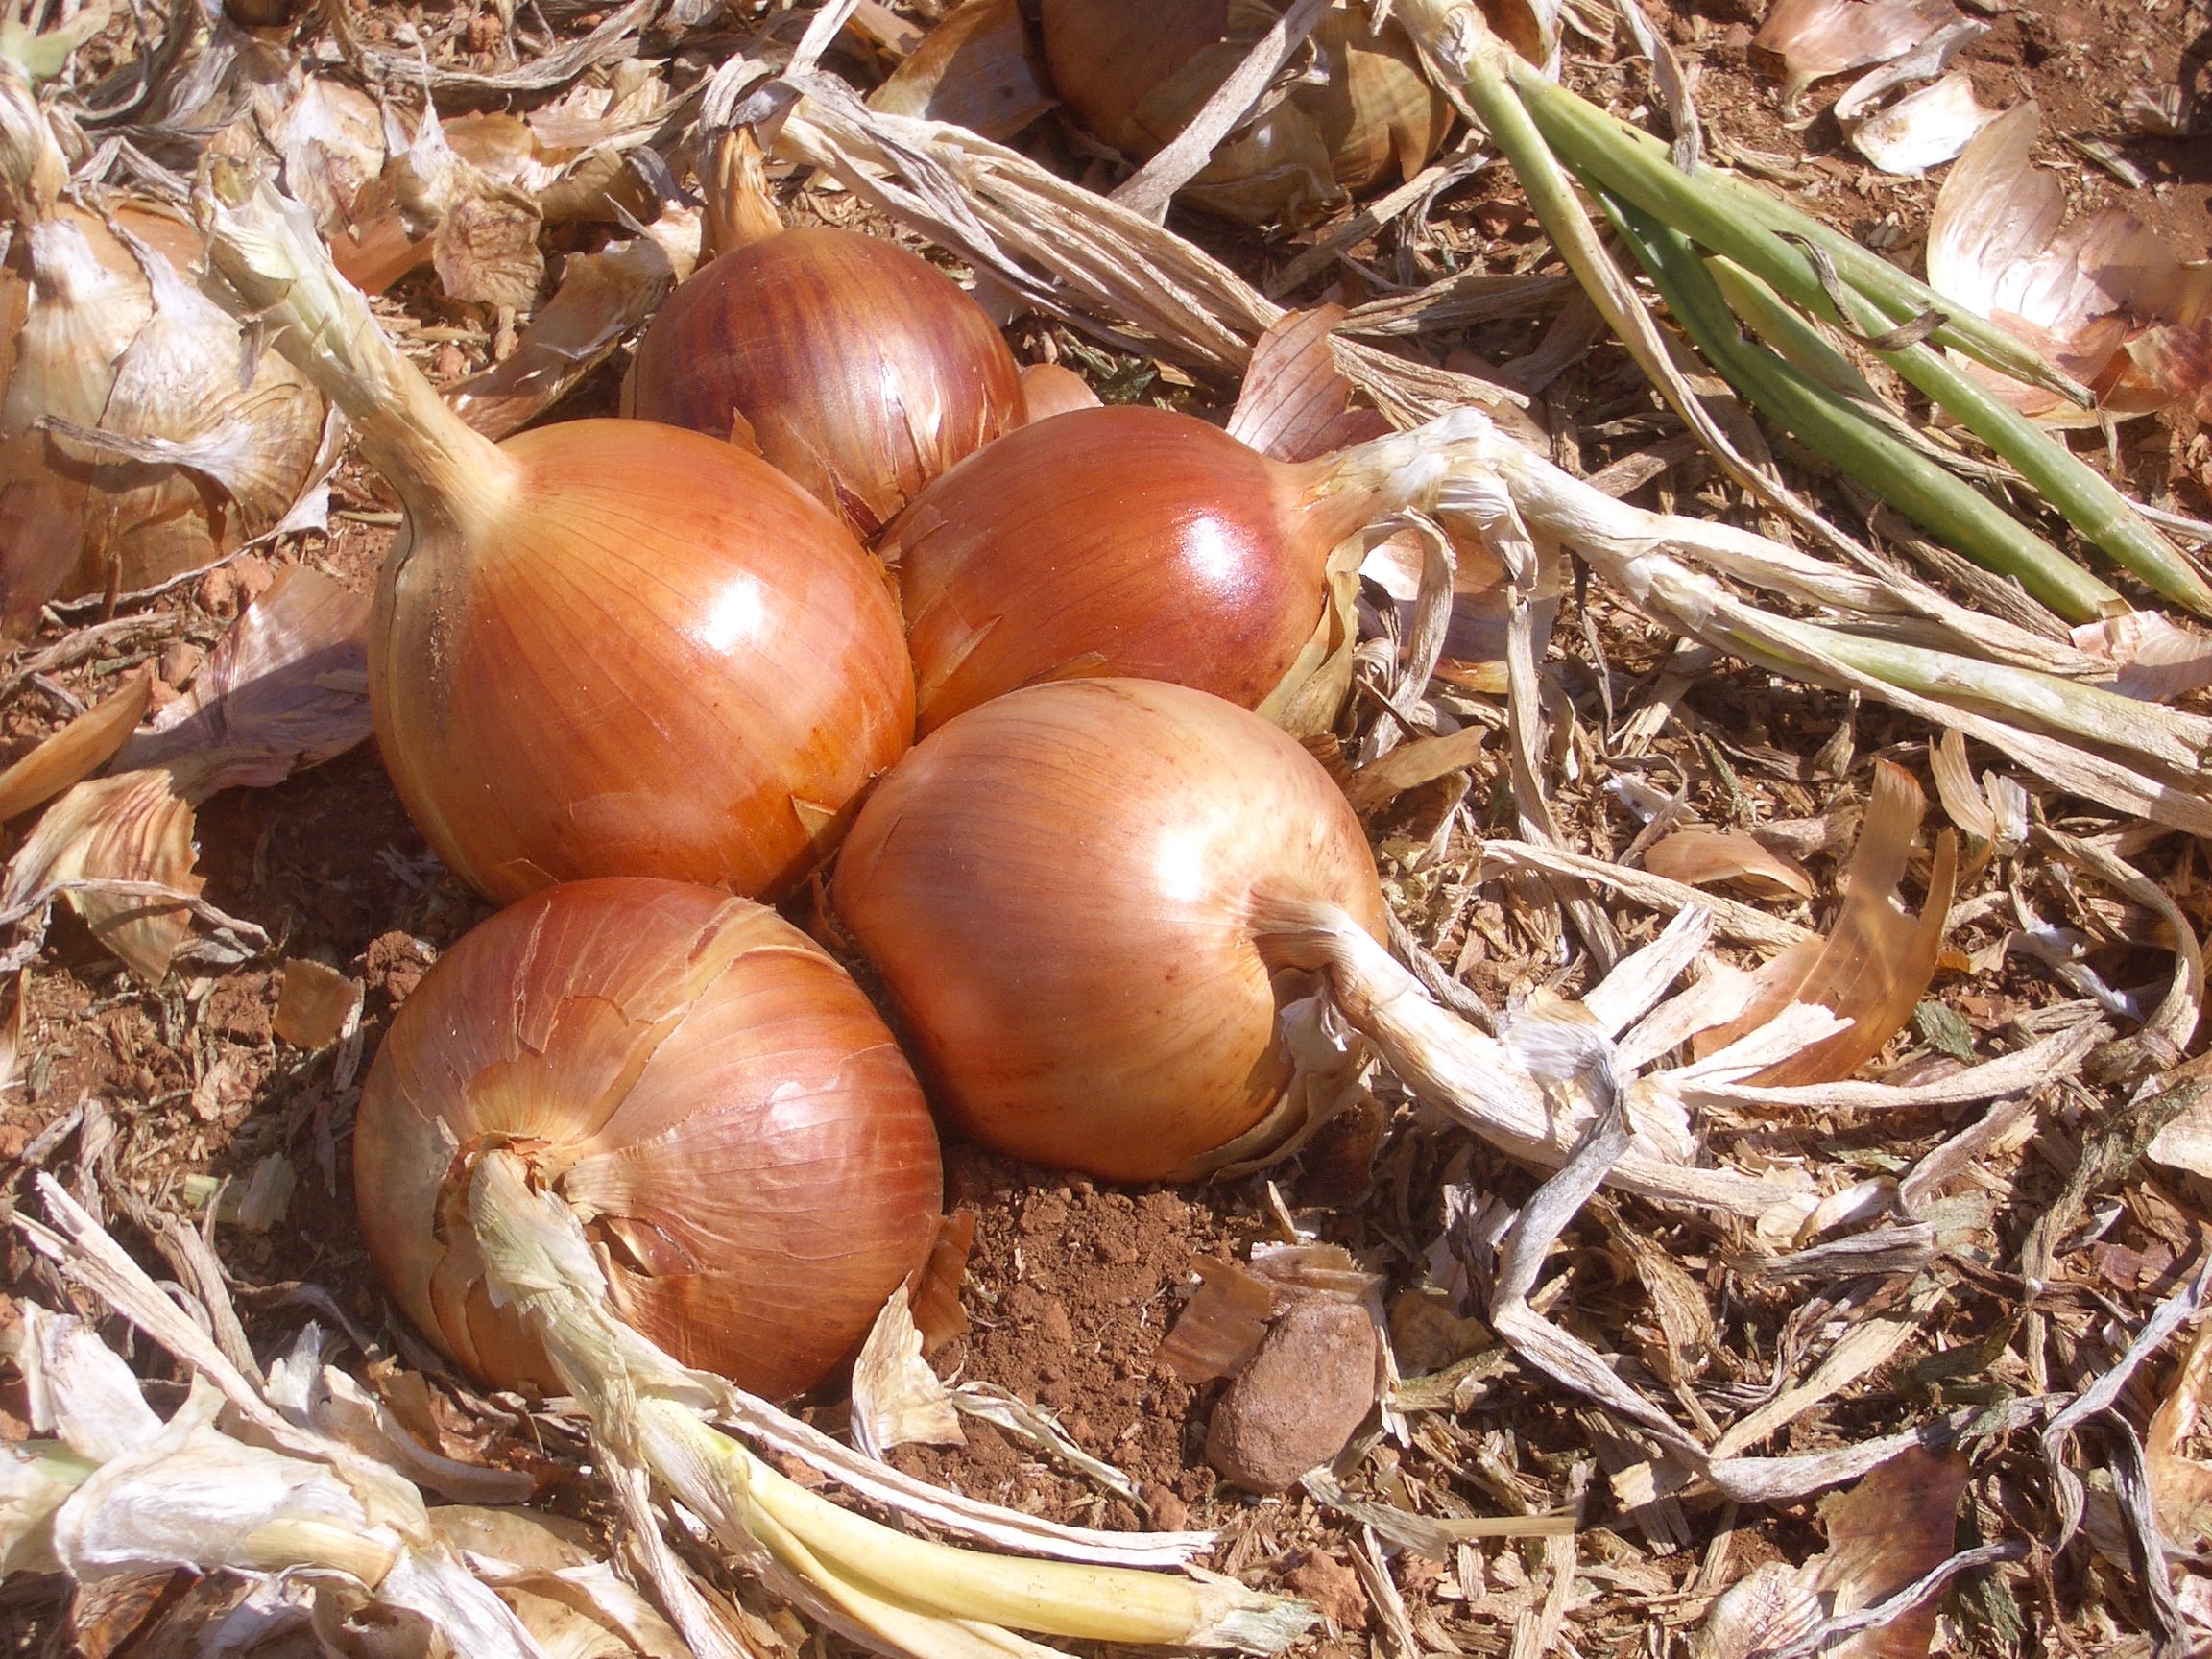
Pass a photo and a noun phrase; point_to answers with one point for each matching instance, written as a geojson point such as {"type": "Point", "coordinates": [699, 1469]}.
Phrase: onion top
{"type": "Point", "coordinates": [855, 366]}
{"type": "Point", "coordinates": [602, 648]}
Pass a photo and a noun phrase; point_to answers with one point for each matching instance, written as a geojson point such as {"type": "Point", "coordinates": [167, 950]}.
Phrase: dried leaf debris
{"type": "Point", "coordinates": [1816, 1265]}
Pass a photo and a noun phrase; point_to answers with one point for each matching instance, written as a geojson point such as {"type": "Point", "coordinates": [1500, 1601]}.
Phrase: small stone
{"type": "Point", "coordinates": [1053, 1324]}
{"type": "Point", "coordinates": [1169, 1514]}
{"type": "Point", "coordinates": [180, 659]}
{"type": "Point", "coordinates": [1291, 1410]}
{"type": "Point", "coordinates": [1428, 1336]}
{"type": "Point", "coordinates": [241, 582]}
{"type": "Point", "coordinates": [1331, 1586]}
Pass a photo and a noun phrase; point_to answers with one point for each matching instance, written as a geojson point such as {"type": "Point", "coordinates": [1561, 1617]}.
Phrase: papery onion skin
{"type": "Point", "coordinates": [702, 1084]}
{"type": "Point", "coordinates": [1119, 540]}
{"type": "Point", "coordinates": [1105, 57]}
{"type": "Point", "coordinates": [73, 523]}
{"type": "Point", "coordinates": [857, 368]}
{"type": "Point", "coordinates": [1056, 889]}
{"type": "Point", "coordinates": [658, 657]}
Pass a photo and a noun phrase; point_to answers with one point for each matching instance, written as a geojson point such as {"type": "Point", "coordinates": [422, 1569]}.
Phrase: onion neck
{"type": "Point", "coordinates": [33, 170]}
{"type": "Point", "coordinates": [739, 209]}
{"type": "Point", "coordinates": [266, 250]}
{"type": "Point", "coordinates": [1401, 472]}
{"type": "Point", "coordinates": [1472, 1078]}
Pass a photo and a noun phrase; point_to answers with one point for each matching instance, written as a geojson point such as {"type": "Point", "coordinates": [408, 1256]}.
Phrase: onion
{"type": "Point", "coordinates": [1057, 889]}
{"type": "Point", "coordinates": [700, 1083]}
{"type": "Point", "coordinates": [130, 452]}
{"type": "Point", "coordinates": [1135, 71]}
{"type": "Point", "coordinates": [630, 1142]}
{"type": "Point", "coordinates": [1123, 925]}
{"type": "Point", "coordinates": [853, 365]}
{"type": "Point", "coordinates": [1132, 541]}
{"type": "Point", "coordinates": [602, 648]}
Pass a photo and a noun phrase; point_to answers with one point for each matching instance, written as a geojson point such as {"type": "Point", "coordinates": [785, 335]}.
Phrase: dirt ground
{"type": "Point", "coordinates": [1071, 1284]}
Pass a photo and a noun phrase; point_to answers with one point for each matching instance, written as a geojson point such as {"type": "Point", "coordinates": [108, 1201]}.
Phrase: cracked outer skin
{"type": "Point", "coordinates": [714, 1095]}
{"type": "Point", "coordinates": [859, 369]}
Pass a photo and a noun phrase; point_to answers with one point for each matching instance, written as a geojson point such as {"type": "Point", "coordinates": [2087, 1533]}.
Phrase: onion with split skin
{"type": "Point", "coordinates": [1136, 71]}
{"type": "Point", "coordinates": [601, 648]}
{"type": "Point", "coordinates": [1124, 926]}
{"type": "Point", "coordinates": [130, 450]}
{"type": "Point", "coordinates": [853, 365]}
{"type": "Point", "coordinates": [705, 1090]}
{"type": "Point", "coordinates": [1136, 542]}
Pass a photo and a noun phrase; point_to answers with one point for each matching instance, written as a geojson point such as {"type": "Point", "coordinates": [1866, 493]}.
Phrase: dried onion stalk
{"type": "Point", "coordinates": [851, 364]}
{"type": "Point", "coordinates": [1124, 925]}
{"type": "Point", "coordinates": [705, 1088]}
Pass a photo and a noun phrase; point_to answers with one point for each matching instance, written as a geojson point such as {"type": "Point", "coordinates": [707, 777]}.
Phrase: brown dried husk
{"type": "Point", "coordinates": [88, 344]}
{"type": "Point", "coordinates": [2102, 297]}
{"type": "Point", "coordinates": [1876, 960]}
{"type": "Point", "coordinates": [976, 68]}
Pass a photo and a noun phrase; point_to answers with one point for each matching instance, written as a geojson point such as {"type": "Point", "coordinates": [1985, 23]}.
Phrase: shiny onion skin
{"type": "Point", "coordinates": [602, 647]}
{"type": "Point", "coordinates": [1119, 540]}
{"type": "Point", "coordinates": [658, 657]}
{"type": "Point", "coordinates": [860, 370]}
{"type": "Point", "coordinates": [1057, 889]}
{"type": "Point", "coordinates": [709, 1093]}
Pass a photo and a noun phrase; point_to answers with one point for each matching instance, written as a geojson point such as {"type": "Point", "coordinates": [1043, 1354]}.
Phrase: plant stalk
{"type": "Point", "coordinates": [1830, 424]}
{"type": "Point", "coordinates": [1735, 218]}
{"type": "Point", "coordinates": [921, 1598]}
{"type": "Point", "coordinates": [267, 250]}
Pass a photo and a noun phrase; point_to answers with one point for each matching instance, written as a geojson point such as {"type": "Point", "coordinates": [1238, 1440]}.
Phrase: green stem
{"type": "Point", "coordinates": [1788, 330]}
{"type": "Point", "coordinates": [1735, 218]}
{"type": "Point", "coordinates": [1830, 424]}
{"type": "Point", "coordinates": [2087, 499]}
{"type": "Point", "coordinates": [2019, 697]}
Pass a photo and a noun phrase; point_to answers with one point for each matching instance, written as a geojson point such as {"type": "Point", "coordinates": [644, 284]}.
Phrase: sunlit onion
{"type": "Point", "coordinates": [1131, 929]}
{"type": "Point", "coordinates": [607, 647]}
{"type": "Point", "coordinates": [701, 1084]}
{"type": "Point", "coordinates": [1058, 890]}
{"type": "Point", "coordinates": [1130, 540]}
{"type": "Point", "coordinates": [852, 364]}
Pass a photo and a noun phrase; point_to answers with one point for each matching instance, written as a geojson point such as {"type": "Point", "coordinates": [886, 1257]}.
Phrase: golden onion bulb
{"type": "Point", "coordinates": [600, 648]}
{"type": "Point", "coordinates": [1136, 71]}
{"type": "Point", "coordinates": [1059, 889]}
{"type": "Point", "coordinates": [130, 451]}
{"type": "Point", "coordinates": [705, 1088]}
